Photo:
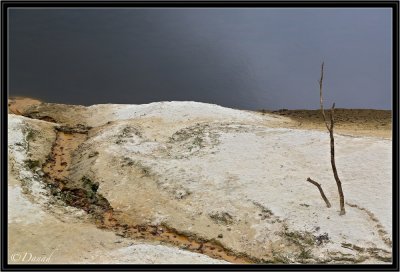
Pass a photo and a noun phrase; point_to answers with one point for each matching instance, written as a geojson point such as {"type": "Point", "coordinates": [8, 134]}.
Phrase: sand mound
{"type": "Point", "coordinates": [226, 177]}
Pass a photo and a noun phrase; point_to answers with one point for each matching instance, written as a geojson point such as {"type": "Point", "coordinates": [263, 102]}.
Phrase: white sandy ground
{"type": "Point", "coordinates": [186, 163]}
{"type": "Point", "coordinates": [46, 230]}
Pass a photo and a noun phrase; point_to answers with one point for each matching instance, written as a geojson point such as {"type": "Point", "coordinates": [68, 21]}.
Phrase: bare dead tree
{"type": "Point", "coordinates": [330, 129]}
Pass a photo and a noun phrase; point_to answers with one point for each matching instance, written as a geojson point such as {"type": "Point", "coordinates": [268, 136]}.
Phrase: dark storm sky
{"type": "Point", "coordinates": [242, 58]}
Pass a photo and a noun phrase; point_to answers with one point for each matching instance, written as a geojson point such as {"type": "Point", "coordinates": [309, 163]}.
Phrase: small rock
{"type": "Point", "coordinates": [221, 217]}
{"type": "Point", "coordinates": [220, 236]}
{"type": "Point", "coordinates": [322, 238]}
{"type": "Point", "coordinates": [181, 194]}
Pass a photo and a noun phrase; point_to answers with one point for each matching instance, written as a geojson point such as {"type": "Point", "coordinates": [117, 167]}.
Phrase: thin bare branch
{"type": "Point", "coordinates": [332, 116]}
{"type": "Point", "coordinates": [320, 95]}
{"type": "Point", "coordinates": [328, 204]}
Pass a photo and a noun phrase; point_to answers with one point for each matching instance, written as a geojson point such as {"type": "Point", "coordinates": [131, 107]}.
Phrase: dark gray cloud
{"type": "Point", "coordinates": [243, 58]}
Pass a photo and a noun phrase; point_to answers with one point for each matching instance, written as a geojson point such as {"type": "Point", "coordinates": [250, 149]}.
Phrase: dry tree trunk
{"type": "Point", "coordinates": [330, 129]}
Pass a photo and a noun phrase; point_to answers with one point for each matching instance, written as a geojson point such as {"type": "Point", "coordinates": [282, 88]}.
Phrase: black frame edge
{"type": "Point", "coordinates": [199, 4]}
